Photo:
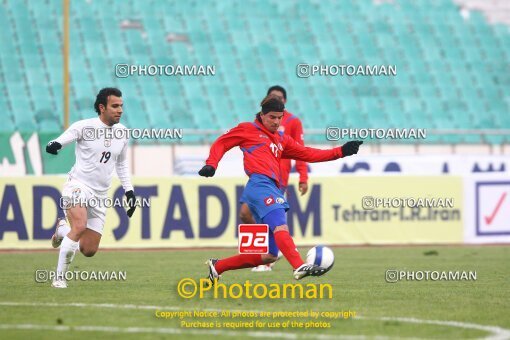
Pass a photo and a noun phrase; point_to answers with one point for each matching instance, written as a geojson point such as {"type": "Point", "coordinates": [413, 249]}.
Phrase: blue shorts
{"type": "Point", "coordinates": [263, 197]}
{"type": "Point", "coordinates": [242, 200]}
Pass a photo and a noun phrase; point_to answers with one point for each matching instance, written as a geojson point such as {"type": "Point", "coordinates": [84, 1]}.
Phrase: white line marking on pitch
{"type": "Point", "coordinates": [255, 334]}
{"type": "Point", "coordinates": [495, 332]}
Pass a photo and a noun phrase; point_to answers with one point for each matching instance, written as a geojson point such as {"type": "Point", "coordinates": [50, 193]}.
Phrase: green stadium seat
{"type": "Point", "coordinates": [449, 70]}
{"type": "Point", "coordinates": [8, 125]}
{"type": "Point", "coordinates": [135, 114]}
{"type": "Point", "coordinates": [496, 139]}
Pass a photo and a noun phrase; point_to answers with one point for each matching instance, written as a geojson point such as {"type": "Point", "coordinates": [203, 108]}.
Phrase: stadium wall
{"type": "Point", "coordinates": [196, 212]}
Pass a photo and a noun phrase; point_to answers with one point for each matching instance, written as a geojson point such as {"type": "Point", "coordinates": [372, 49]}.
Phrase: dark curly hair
{"type": "Point", "coordinates": [278, 88]}
{"type": "Point", "coordinates": [102, 97]}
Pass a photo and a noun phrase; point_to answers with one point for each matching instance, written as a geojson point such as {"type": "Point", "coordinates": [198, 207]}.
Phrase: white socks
{"type": "Point", "coordinates": [63, 229]}
{"type": "Point", "coordinates": [68, 249]}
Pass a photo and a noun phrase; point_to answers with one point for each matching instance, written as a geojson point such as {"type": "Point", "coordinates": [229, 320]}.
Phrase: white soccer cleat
{"type": "Point", "coordinates": [55, 239]}
{"type": "Point", "coordinates": [262, 268]}
{"type": "Point", "coordinates": [308, 270]}
{"type": "Point", "coordinates": [59, 284]}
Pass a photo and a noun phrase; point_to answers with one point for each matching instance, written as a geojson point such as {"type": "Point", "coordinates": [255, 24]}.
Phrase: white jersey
{"type": "Point", "coordinates": [98, 151]}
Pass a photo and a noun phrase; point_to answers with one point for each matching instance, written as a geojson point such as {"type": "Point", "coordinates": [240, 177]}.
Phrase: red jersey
{"type": "Point", "coordinates": [263, 150]}
{"type": "Point", "coordinates": [291, 125]}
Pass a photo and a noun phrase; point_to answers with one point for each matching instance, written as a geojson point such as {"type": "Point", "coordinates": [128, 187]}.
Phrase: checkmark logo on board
{"type": "Point", "coordinates": [489, 219]}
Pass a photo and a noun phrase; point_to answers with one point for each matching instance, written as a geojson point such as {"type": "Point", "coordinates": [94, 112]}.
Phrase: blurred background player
{"type": "Point", "coordinates": [263, 147]}
{"type": "Point", "coordinates": [291, 125]}
{"type": "Point", "coordinates": [98, 153]}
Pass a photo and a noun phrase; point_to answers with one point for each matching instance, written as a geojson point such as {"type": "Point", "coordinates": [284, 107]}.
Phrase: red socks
{"type": "Point", "coordinates": [238, 262]}
{"type": "Point", "coordinates": [286, 244]}
{"type": "Point", "coordinates": [283, 241]}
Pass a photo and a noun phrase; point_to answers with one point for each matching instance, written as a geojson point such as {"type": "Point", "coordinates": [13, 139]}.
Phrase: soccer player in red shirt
{"type": "Point", "coordinates": [291, 125]}
{"type": "Point", "coordinates": [263, 147]}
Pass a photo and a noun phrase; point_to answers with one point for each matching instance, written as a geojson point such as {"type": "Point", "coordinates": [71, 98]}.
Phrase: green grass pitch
{"type": "Point", "coordinates": [126, 309]}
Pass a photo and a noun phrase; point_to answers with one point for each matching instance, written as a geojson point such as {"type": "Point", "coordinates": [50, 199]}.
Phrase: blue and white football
{"type": "Point", "coordinates": [321, 256]}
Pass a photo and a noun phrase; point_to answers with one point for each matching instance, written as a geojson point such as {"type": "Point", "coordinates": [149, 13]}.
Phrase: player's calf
{"type": "Point", "coordinates": [77, 217]}
{"type": "Point", "coordinates": [269, 258]}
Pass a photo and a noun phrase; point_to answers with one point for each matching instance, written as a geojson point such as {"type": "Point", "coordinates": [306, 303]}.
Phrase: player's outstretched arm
{"type": "Point", "coordinates": [227, 141]}
{"type": "Point", "coordinates": [294, 150]}
{"type": "Point", "coordinates": [72, 134]}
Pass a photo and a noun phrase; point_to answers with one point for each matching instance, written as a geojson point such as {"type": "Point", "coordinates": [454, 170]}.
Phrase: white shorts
{"type": "Point", "coordinates": [80, 192]}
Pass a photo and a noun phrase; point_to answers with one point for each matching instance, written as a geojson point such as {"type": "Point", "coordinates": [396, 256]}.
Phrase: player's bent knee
{"type": "Point", "coordinates": [281, 228]}
{"type": "Point", "coordinates": [89, 243]}
{"type": "Point", "coordinates": [78, 227]}
{"type": "Point", "coordinates": [87, 252]}
{"type": "Point", "coordinates": [76, 233]}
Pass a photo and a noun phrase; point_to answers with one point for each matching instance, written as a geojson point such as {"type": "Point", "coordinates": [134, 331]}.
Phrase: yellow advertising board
{"type": "Point", "coordinates": [197, 212]}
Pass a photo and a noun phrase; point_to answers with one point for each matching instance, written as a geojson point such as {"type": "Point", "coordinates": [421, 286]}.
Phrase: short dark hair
{"type": "Point", "coordinates": [102, 97]}
{"type": "Point", "coordinates": [278, 88]}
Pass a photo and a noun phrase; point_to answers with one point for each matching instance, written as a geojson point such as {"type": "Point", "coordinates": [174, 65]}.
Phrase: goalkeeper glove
{"type": "Point", "coordinates": [207, 171]}
{"type": "Point", "coordinates": [53, 147]}
{"type": "Point", "coordinates": [130, 195]}
{"type": "Point", "coordinates": [351, 148]}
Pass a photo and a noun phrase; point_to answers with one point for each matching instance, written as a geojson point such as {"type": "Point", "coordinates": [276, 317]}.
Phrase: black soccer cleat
{"type": "Point", "coordinates": [213, 274]}
{"type": "Point", "coordinates": [308, 270]}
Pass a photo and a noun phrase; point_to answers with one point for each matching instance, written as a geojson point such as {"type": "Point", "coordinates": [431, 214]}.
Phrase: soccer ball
{"type": "Point", "coordinates": [321, 256]}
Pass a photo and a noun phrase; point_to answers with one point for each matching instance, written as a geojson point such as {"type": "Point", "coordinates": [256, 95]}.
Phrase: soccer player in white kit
{"type": "Point", "coordinates": [98, 152]}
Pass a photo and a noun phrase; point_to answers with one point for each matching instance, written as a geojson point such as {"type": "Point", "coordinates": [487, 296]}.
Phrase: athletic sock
{"type": "Point", "coordinates": [68, 249]}
{"type": "Point", "coordinates": [63, 230]}
{"type": "Point", "coordinates": [285, 243]}
{"type": "Point", "coordinates": [238, 262]}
